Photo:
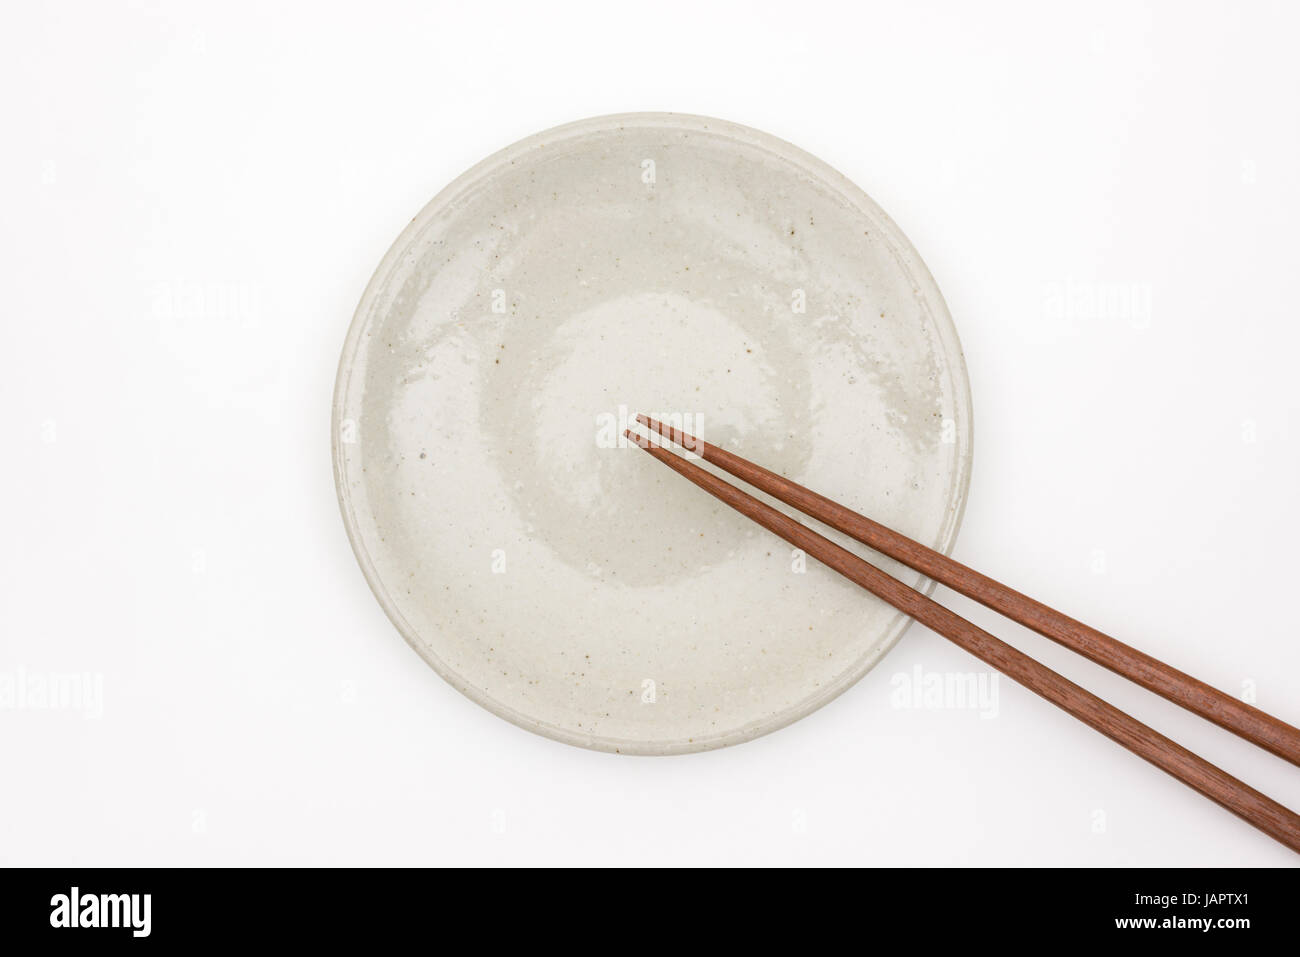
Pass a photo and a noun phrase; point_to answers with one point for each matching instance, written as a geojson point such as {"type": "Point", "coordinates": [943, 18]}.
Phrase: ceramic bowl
{"type": "Point", "coordinates": [686, 267]}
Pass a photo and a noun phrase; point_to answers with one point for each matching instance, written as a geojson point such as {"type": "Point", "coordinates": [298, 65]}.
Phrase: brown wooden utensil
{"type": "Point", "coordinates": [1242, 719]}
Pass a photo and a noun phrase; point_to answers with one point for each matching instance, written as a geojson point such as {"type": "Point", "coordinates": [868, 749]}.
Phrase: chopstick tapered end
{"type": "Point", "coordinates": [687, 441]}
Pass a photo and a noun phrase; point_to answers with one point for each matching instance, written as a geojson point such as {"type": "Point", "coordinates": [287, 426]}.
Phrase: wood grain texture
{"type": "Point", "coordinates": [1236, 796]}
{"type": "Point", "coordinates": [1182, 689]}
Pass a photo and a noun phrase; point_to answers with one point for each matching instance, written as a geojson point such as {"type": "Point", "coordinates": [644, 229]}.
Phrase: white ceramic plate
{"type": "Point", "coordinates": [668, 264]}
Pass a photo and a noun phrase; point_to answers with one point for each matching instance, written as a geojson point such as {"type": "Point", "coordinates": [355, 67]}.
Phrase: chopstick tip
{"type": "Point", "coordinates": [640, 440]}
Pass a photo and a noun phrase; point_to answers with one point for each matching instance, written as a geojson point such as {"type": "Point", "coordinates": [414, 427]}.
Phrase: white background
{"type": "Point", "coordinates": [193, 200]}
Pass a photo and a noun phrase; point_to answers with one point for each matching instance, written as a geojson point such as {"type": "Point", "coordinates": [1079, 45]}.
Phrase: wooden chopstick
{"type": "Point", "coordinates": [1236, 796]}
{"type": "Point", "coordinates": [1182, 689]}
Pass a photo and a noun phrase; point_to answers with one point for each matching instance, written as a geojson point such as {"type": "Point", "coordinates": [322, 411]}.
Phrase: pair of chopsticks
{"type": "Point", "coordinates": [1236, 716]}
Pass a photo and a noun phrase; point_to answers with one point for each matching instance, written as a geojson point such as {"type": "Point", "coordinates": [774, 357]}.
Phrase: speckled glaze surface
{"type": "Point", "coordinates": [668, 264]}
